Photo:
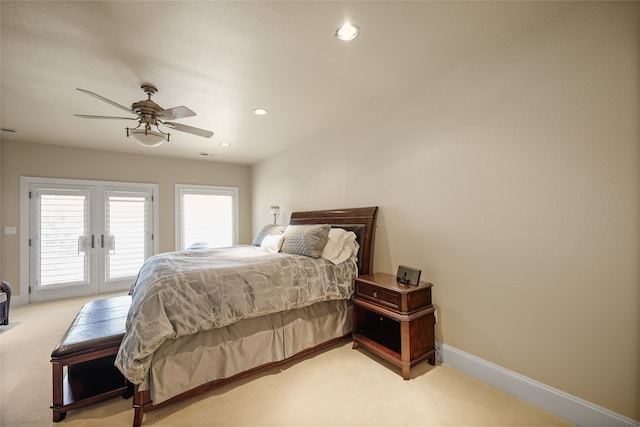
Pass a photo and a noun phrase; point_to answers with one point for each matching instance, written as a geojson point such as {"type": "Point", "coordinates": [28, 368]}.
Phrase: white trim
{"type": "Point", "coordinates": [17, 300]}
{"type": "Point", "coordinates": [564, 405]}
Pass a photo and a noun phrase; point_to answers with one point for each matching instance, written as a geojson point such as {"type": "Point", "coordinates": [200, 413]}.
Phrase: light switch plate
{"type": "Point", "coordinates": [9, 231]}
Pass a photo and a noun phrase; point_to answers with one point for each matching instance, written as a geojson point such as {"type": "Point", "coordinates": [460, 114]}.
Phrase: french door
{"type": "Point", "coordinates": [87, 237]}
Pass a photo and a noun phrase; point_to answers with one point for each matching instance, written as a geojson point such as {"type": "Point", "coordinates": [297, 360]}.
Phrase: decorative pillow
{"type": "Point", "coordinates": [307, 240]}
{"type": "Point", "coordinates": [198, 246]}
{"type": "Point", "coordinates": [268, 230]}
{"type": "Point", "coordinates": [272, 243]}
{"type": "Point", "coordinates": [341, 245]}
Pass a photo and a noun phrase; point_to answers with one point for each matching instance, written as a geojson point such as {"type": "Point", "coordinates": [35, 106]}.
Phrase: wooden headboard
{"type": "Point", "coordinates": [362, 221]}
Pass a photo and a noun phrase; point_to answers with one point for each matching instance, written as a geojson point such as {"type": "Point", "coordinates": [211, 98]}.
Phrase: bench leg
{"type": "Point", "coordinates": [58, 392]}
{"type": "Point", "coordinates": [58, 416]}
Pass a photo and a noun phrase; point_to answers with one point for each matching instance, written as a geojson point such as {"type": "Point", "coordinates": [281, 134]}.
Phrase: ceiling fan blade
{"type": "Point", "coordinates": [88, 116]}
{"type": "Point", "coordinates": [176, 113]}
{"type": "Point", "coordinates": [189, 129]}
{"type": "Point", "coordinates": [108, 101]}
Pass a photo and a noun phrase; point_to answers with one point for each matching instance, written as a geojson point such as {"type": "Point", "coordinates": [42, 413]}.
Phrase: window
{"type": "Point", "coordinates": [206, 216]}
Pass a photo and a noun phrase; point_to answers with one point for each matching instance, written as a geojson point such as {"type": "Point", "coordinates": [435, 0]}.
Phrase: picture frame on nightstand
{"type": "Point", "coordinates": [408, 275]}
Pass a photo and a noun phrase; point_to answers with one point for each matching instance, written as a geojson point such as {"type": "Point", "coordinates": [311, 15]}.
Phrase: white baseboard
{"type": "Point", "coordinates": [17, 300]}
{"type": "Point", "coordinates": [564, 405]}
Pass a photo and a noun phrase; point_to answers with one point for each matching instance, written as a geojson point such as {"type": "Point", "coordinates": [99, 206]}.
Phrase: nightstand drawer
{"type": "Point", "coordinates": [381, 296]}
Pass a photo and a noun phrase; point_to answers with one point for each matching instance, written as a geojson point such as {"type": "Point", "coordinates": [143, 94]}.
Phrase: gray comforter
{"type": "Point", "coordinates": [182, 293]}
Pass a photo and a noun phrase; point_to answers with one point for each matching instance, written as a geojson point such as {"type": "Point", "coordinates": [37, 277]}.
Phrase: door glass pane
{"type": "Point", "coordinates": [62, 238]}
{"type": "Point", "coordinates": [125, 240]}
{"type": "Point", "coordinates": [207, 220]}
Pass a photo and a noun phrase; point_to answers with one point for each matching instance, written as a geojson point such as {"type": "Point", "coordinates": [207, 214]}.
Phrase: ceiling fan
{"type": "Point", "coordinates": [149, 116]}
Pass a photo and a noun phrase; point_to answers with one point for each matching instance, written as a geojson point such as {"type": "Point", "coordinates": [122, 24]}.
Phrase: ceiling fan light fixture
{"type": "Point", "coordinates": [148, 137]}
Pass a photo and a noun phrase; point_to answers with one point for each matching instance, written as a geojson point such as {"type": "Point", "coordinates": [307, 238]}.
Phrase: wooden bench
{"type": "Point", "coordinates": [83, 361]}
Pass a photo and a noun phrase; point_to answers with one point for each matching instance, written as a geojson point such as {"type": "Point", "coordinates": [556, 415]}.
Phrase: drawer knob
{"type": "Point", "coordinates": [375, 294]}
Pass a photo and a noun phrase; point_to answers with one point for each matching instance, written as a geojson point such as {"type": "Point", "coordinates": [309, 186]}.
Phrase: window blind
{"type": "Point", "coordinates": [126, 234]}
{"type": "Point", "coordinates": [62, 224]}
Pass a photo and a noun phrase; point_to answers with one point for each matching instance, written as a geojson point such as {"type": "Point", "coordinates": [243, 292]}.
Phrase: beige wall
{"type": "Point", "coordinates": [513, 182]}
{"type": "Point", "coordinates": [20, 159]}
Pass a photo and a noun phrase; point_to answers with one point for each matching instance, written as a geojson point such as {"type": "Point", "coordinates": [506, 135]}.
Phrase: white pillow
{"type": "Point", "coordinates": [341, 245]}
{"type": "Point", "coordinates": [272, 243]}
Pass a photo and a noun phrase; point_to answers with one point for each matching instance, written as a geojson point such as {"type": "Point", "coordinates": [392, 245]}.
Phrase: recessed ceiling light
{"type": "Point", "coordinates": [225, 144]}
{"type": "Point", "coordinates": [347, 32]}
{"type": "Point", "coordinates": [260, 111]}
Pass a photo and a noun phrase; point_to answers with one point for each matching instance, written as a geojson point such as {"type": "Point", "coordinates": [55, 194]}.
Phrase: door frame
{"type": "Point", "coordinates": [27, 181]}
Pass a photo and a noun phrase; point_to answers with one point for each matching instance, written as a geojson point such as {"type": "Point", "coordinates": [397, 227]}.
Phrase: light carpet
{"type": "Point", "coordinates": [336, 387]}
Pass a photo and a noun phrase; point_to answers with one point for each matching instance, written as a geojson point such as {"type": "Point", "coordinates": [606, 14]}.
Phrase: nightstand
{"type": "Point", "coordinates": [394, 321]}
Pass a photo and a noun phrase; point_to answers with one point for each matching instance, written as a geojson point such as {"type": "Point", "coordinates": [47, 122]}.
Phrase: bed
{"type": "Point", "coordinates": [184, 336]}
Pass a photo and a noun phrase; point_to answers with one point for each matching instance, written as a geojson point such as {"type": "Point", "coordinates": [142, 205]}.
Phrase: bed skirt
{"type": "Point", "coordinates": [188, 362]}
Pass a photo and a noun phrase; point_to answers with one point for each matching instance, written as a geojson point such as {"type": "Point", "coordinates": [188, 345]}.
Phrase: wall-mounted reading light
{"type": "Point", "coordinates": [275, 211]}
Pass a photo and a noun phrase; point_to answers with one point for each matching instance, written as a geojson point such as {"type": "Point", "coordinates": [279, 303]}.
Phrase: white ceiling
{"type": "Point", "coordinates": [223, 59]}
